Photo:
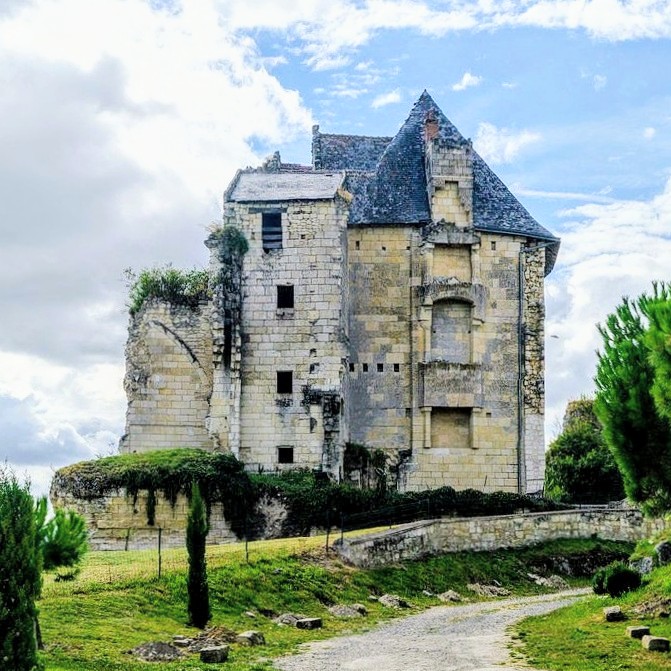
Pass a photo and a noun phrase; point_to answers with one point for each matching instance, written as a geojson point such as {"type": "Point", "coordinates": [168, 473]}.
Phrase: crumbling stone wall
{"type": "Point", "coordinates": [168, 378]}
{"type": "Point", "coordinates": [534, 369]}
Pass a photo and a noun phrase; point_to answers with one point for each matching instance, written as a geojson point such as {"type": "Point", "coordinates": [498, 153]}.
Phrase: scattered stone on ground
{"type": "Point", "coordinates": [181, 641]}
{"type": "Point", "coordinates": [637, 631]}
{"type": "Point", "coordinates": [156, 652]}
{"type": "Point", "coordinates": [450, 596]}
{"type": "Point", "coordinates": [655, 643]}
{"type": "Point", "coordinates": [250, 638]}
{"type": "Point", "coordinates": [553, 582]}
{"type": "Point", "coordinates": [663, 551]}
{"type": "Point", "coordinates": [658, 607]}
{"type": "Point", "coordinates": [250, 613]}
{"type": "Point", "coordinates": [393, 601]}
{"type": "Point", "coordinates": [212, 637]}
{"type": "Point", "coordinates": [613, 614]}
{"type": "Point", "coordinates": [342, 610]}
{"type": "Point", "coordinates": [426, 592]}
{"type": "Point", "coordinates": [487, 590]}
{"type": "Point", "coordinates": [214, 654]}
{"type": "Point", "coordinates": [644, 565]}
{"type": "Point", "coordinates": [309, 623]}
{"type": "Point", "coordinates": [288, 619]}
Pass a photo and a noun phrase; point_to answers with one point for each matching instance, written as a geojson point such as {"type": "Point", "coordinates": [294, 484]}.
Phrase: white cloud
{"type": "Point", "coordinates": [649, 133]}
{"type": "Point", "coordinates": [114, 150]}
{"type": "Point", "coordinates": [502, 145]}
{"type": "Point", "coordinates": [608, 251]}
{"type": "Point", "coordinates": [467, 81]}
{"type": "Point", "coordinates": [386, 99]}
{"type": "Point", "coordinates": [329, 32]}
{"type": "Point", "coordinates": [599, 82]}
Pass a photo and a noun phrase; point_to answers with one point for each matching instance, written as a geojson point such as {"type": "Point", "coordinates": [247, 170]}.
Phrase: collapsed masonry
{"type": "Point", "coordinates": [391, 295]}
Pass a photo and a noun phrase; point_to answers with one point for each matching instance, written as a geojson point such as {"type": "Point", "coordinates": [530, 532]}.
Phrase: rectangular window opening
{"type": "Point", "coordinates": [271, 230]}
{"type": "Point", "coordinates": [397, 368]}
{"type": "Point", "coordinates": [364, 367]}
{"type": "Point", "coordinates": [285, 455]}
{"type": "Point", "coordinates": [380, 368]}
{"type": "Point", "coordinates": [285, 297]}
{"type": "Point", "coordinates": [351, 368]}
{"type": "Point", "coordinates": [493, 245]}
{"type": "Point", "coordinates": [285, 381]}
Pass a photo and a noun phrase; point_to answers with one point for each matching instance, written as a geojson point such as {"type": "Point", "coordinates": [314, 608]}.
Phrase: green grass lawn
{"type": "Point", "coordinates": [578, 639]}
{"type": "Point", "coordinates": [117, 602]}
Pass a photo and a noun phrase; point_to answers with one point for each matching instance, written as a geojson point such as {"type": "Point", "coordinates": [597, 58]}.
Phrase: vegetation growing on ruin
{"type": "Point", "coordinates": [178, 287]}
{"type": "Point", "coordinates": [230, 241]}
{"type": "Point", "coordinates": [94, 622]}
{"type": "Point", "coordinates": [221, 479]}
{"type": "Point", "coordinates": [313, 501]}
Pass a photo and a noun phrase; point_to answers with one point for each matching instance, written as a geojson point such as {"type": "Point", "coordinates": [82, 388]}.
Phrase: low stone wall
{"type": "Point", "coordinates": [117, 522]}
{"type": "Point", "coordinates": [419, 539]}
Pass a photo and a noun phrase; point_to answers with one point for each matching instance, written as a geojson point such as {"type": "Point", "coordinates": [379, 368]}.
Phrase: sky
{"type": "Point", "coordinates": [123, 121]}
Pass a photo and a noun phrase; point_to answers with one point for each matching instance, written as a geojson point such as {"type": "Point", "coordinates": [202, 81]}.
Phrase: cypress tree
{"type": "Point", "coordinates": [196, 533]}
{"type": "Point", "coordinates": [20, 577]}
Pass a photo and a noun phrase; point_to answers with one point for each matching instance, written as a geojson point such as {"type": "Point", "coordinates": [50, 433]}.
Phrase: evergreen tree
{"type": "Point", "coordinates": [20, 577]}
{"type": "Point", "coordinates": [636, 433]}
{"type": "Point", "coordinates": [62, 540]}
{"type": "Point", "coordinates": [196, 534]}
{"type": "Point", "coordinates": [579, 466]}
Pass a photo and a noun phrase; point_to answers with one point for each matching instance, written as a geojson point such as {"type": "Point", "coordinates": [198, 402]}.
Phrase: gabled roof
{"type": "Point", "coordinates": [341, 152]}
{"type": "Point", "coordinates": [281, 186]}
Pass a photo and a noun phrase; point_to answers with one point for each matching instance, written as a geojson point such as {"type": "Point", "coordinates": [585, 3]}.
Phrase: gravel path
{"type": "Point", "coordinates": [446, 638]}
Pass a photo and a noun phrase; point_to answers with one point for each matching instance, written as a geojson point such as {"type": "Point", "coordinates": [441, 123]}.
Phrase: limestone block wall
{"type": "Point", "coordinates": [534, 369]}
{"type": "Point", "coordinates": [480, 376]}
{"type": "Point", "coordinates": [168, 378]}
{"type": "Point", "coordinates": [421, 539]}
{"type": "Point", "coordinates": [380, 371]}
{"type": "Point", "coordinates": [308, 341]}
{"type": "Point", "coordinates": [117, 522]}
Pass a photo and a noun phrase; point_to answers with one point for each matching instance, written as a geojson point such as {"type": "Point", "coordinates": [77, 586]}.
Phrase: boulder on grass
{"type": "Point", "coordinates": [214, 654]}
{"type": "Point", "coordinates": [613, 614]}
{"type": "Point", "coordinates": [309, 623]}
{"type": "Point", "coordinates": [655, 643]}
{"type": "Point", "coordinates": [250, 638]}
{"type": "Point", "coordinates": [638, 632]}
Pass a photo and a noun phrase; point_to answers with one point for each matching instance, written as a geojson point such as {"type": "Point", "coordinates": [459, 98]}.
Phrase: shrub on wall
{"type": "Point", "coordinates": [179, 287]}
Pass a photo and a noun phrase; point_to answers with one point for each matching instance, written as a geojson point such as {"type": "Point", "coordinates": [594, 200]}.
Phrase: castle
{"type": "Point", "coordinates": [390, 294]}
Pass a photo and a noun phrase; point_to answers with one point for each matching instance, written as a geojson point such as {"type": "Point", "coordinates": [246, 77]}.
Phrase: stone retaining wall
{"type": "Point", "coordinates": [431, 537]}
{"type": "Point", "coordinates": [117, 522]}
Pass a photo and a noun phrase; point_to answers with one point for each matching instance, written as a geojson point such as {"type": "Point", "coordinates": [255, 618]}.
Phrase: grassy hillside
{"type": "Point", "coordinates": [578, 639]}
{"type": "Point", "coordinates": [112, 607]}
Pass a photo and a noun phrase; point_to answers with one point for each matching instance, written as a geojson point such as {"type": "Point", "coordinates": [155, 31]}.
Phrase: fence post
{"type": "Point", "coordinates": [160, 558]}
{"type": "Point", "coordinates": [246, 541]}
{"type": "Point", "coordinates": [328, 528]}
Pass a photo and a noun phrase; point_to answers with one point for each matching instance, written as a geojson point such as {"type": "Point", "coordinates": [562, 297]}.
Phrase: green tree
{"type": "Point", "coordinates": [637, 434]}
{"type": "Point", "coordinates": [62, 540]}
{"type": "Point", "coordinates": [196, 534]}
{"type": "Point", "coordinates": [579, 466]}
{"type": "Point", "coordinates": [20, 576]}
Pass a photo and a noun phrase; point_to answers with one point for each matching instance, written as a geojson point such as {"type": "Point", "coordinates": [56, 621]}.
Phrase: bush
{"type": "Point", "coordinates": [615, 579]}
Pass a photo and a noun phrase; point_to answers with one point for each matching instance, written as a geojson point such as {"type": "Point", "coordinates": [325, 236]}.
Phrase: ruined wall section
{"type": "Point", "coordinates": [534, 368]}
{"type": "Point", "coordinates": [380, 328]}
{"type": "Point", "coordinates": [168, 379]}
{"type": "Point", "coordinates": [304, 425]}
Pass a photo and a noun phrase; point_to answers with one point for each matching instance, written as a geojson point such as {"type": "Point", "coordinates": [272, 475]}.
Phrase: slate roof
{"type": "Point", "coordinates": [394, 191]}
{"type": "Point", "coordinates": [341, 152]}
{"type": "Point", "coordinates": [282, 186]}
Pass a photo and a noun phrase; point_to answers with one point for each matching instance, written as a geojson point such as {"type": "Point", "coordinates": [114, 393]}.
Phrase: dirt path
{"type": "Point", "coordinates": [456, 638]}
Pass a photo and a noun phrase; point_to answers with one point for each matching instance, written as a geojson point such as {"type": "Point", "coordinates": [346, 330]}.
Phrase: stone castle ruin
{"type": "Point", "coordinates": [390, 294]}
